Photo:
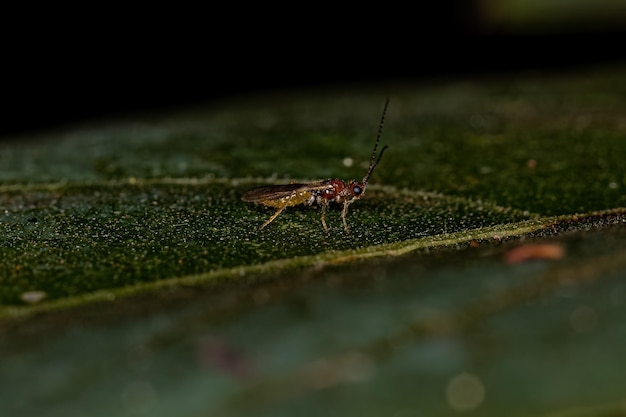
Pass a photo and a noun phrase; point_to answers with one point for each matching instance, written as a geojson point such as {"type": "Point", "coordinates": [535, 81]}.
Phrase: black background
{"type": "Point", "coordinates": [59, 71]}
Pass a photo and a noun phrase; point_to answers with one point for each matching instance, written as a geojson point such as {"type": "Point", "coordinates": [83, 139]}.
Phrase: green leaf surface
{"type": "Point", "coordinates": [133, 279]}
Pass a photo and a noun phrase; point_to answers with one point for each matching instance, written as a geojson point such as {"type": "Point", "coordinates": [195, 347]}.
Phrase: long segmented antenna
{"type": "Point", "coordinates": [380, 132]}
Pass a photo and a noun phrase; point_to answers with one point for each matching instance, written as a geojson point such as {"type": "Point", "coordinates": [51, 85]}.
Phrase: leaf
{"type": "Point", "coordinates": [105, 224]}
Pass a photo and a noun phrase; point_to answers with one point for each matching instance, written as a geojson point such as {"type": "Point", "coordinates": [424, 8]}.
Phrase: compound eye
{"type": "Point", "coordinates": [357, 190]}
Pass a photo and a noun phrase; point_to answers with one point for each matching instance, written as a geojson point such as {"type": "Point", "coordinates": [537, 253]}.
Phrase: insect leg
{"type": "Point", "coordinates": [344, 212]}
{"type": "Point", "coordinates": [324, 204]}
{"type": "Point", "coordinates": [280, 210]}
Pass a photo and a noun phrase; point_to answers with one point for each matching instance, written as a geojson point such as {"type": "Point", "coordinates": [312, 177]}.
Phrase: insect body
{"type": "Point", "coordinates": [317, 192]}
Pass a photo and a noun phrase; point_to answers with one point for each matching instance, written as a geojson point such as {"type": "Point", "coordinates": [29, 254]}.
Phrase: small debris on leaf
{"type": "Point", "coordinates": [32, 297]}
{"type": "Point", "coordinates": [534, 251]}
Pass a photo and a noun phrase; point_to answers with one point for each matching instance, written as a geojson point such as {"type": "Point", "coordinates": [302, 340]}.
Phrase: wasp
{"type": "Point", "coordinates": [317, 192]}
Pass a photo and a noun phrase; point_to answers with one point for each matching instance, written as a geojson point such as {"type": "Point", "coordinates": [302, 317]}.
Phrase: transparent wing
{"type": "Point", "coordinates": [275, 192]}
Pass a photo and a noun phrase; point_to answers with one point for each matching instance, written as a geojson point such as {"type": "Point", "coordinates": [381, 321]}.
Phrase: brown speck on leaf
{"type": "Point", "coordinates": [534, 251]}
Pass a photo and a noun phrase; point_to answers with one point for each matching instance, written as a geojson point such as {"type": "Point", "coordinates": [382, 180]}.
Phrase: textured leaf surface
{"type": "Point", "coordinates": [133, 279]}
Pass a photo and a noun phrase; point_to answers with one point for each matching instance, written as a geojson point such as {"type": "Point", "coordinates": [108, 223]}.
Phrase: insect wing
{"type": "Point", "coordinates": [275, 192]}
{"type": "Point", "coordinates": [270, 192]}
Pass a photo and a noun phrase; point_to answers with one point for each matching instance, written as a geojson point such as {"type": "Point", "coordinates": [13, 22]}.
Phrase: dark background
{"type": "Point", "coordinates": [109, 64]}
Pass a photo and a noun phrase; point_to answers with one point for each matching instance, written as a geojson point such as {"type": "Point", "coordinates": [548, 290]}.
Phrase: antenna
{"type": "Point", "coordinates": [380, 132]}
